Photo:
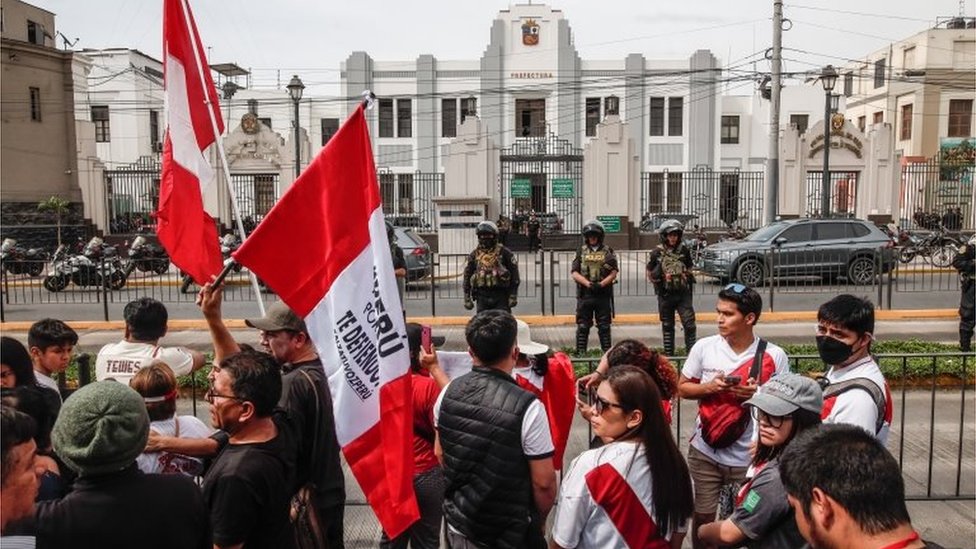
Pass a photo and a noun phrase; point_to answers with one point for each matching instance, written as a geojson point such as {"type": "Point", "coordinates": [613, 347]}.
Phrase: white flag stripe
{"type": "Point", "coordinates": [183, 140]}
{"type": "Point", "coordinates": [361, 347]}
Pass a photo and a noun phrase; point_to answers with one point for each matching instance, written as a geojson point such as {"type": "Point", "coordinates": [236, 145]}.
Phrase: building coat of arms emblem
{"type": "Point", "coordinates": [530, 32]}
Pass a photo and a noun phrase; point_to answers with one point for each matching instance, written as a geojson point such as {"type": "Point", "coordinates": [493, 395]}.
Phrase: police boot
{"type": "Point", "coordinates": [604, 333]}
{"type": "Point", "coordinates": [965, 341]}
{"type": "Point", "coordinates": [668, 334]}
{"type": "Point", "coordinates": [582, 336]}
{"type": "Point", "coordinates": [691, 335]}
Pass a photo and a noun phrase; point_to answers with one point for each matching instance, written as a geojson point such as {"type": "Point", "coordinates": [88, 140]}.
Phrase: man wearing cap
{"type": "Point", "coordinates": [305, 398]}
{"type": "Point", "coordinates": [99, 433]}
{"type": "Point", "coordinates": [786, 406]}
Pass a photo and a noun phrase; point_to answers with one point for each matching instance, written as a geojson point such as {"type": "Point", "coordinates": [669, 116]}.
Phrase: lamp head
{"type": "Point", "coordinates": [295, 88]}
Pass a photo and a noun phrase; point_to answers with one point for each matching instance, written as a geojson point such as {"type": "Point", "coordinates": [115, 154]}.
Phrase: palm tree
{"type": "Point", "coordinates": [59, 207]}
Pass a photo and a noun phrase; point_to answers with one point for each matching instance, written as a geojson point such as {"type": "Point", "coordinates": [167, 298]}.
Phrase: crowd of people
{"type": "Point", "coordinates": [776, 459]}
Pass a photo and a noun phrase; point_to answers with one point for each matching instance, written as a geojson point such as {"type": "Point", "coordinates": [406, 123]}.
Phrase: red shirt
{"type": "Point", "coordinates": [425, 391]}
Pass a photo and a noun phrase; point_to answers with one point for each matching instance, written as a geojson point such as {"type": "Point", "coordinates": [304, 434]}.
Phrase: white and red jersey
{"type": "Point", "coordinates": [557, 391]}
{"type": "Point", "coordinates": [606, 501]}
{"type": "Point", "coordinates": [710, 357]}
{"type": "Point", "coordinates": [856, 407]}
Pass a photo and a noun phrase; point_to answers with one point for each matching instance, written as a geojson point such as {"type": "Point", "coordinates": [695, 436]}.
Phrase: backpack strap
{"type": "Point", "coordinates": [318, 413]}
{"type": "Point", "coordinates": [832, 390]}
{"type": "Point", "coordinates": [756, 370]}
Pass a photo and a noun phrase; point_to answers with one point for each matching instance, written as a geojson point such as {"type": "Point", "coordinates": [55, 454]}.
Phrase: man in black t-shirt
{"type": "Point", "coordinates": [248, 488]}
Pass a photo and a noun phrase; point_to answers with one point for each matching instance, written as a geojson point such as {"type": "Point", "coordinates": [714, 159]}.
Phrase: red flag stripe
{"type": "Point", "coordinates": [614, 495]}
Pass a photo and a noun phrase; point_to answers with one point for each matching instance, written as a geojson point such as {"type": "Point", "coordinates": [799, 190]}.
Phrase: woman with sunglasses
{"type": "Point", "coordinates": [784, 407]}
{"type": "Point", "coordinates": [635, 490]}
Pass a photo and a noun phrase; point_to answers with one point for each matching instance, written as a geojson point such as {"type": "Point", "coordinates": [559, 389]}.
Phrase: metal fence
{"type": "Point", "coordinates": [718, 198]}
{"type": "Point", "coordinates": [408, 198]}
{"type": "Point", "coordinates": [938, 190]}
{"type": "Point", "coordinates": [132, 193]}
{"type": "Point", "coordinates": [933, 430]}
{"type": "Point", "coordinates": [843, 193]}
{"type": "Point", "coordinates": [778, 273]}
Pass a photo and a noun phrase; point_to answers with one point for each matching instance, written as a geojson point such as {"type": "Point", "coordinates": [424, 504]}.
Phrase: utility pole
{"type": "Point", "coordinates": [772, 157]}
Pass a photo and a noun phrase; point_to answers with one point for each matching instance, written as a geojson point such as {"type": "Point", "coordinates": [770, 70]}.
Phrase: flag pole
{"type": "Point", "coordinates": [220, 144]}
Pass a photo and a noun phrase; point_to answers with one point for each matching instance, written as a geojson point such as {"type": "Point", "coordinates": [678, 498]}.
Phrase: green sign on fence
{"type": "Point", "coordinates": [611, 223]}
{"type": "Point", "coordinates": [521, 188]}
{"type": "Point", "coordinates": [563, 188]}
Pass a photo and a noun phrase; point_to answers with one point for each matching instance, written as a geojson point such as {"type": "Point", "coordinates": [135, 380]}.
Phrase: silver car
{"type": "Point", "coordinates": [829, 248]}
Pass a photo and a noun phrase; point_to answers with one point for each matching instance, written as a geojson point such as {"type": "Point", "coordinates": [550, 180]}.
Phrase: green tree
{"type": "Point", "coordinates": [57, 205]}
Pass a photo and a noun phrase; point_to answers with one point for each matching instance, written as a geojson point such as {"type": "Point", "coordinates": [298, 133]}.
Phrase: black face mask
{"type": "Point", "coordinates": [833, 351]}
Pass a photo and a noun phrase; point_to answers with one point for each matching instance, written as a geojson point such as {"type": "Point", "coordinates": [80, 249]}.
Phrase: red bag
{"type": "Point", "coordinates": [723, 418]}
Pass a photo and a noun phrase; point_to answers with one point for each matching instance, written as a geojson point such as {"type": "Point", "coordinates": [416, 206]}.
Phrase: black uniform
{"type": "Point", "coordinates": [533, 227]}
{"type": "Point", "coordinates": [491, 278]}
{"type": "Point", "coordinates": [965, 263]}
{"type": "Point", "coordinates": [596, 301]}
{"type": "Point", "coordinates": [670, 272]}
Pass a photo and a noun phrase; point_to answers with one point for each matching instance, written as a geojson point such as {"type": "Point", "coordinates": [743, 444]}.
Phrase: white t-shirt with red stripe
{"type": "Point", "coordinates": [606, 501]}
{"type": "Point", "coordinates": [855, 406]}
{"type": "Point", "coordinates": [710, 357]}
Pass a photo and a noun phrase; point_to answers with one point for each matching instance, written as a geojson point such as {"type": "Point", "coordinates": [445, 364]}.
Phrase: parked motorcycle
{"type": "Point", "coordinates": [734, 232]}
{"type": "Point", "coordinates": [228, 244]}
{"type": "Point", "coordinates": [18, 260]}
{"type": "Point", "coordinates": [85, 269]}
{"type": "Point", "coordinates": [696, 243]}
{"type": "Point", "coordinates": [147, 257]}
{"type": "Point", "coordinates": [934, 247]}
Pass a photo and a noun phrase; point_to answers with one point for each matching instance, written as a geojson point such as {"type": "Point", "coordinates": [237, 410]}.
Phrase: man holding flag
{"type": "Point", "coordinates": [345, 292]}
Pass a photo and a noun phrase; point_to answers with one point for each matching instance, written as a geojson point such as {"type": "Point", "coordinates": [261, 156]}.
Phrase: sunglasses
{"type": "Point", "coordinates": [600, 404]}
{"type": "Point", "coordinates": [736, 288]}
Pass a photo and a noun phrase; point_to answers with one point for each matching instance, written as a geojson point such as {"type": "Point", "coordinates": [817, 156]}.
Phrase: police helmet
{"type": "Point", "coordinates": [593, 228]}
{"type": "Point", "coordinates": [487, 227]}
{"type": "Point", "coordinates": [671, 226]}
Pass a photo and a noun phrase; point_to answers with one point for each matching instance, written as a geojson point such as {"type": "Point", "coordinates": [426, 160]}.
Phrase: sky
{"type": "Point", "coordinates": [275, 39]}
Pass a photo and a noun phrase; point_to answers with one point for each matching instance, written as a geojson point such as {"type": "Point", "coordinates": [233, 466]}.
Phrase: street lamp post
{"type": "Point", "coordinates": [295, 89]}
{"type": "Point", "coordinates": [828, 78]}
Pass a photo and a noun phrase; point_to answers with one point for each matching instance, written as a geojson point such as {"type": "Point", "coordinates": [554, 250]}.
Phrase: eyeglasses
{"type": "Point", "coordinates": [600, 404]}
{"type": "Point", "coordinates": [210, 395]}
{"type": "Point", "coordinates": [736, 288]}
{"type": "Point", "coordinates": [773, 421]}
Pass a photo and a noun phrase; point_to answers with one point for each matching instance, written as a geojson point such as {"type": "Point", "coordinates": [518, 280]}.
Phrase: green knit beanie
{"type": "Point", "coordinates": [102, 428]}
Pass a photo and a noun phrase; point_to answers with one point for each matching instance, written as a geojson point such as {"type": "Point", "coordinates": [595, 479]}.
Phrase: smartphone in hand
{"type": "Point", "coordinates": [583, 393]}
{"type": "Point", "coordinates": [733, 380]}
{"type": "Point", "coordinates": [425, 339]}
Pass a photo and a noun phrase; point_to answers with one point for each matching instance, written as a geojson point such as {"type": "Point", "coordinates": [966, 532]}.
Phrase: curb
{"type": "Point", "coordinates": [533, 320]}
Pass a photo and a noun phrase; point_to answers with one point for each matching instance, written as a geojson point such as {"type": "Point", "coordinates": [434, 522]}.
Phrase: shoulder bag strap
{"type": "Point", "coordinates": [318, 414]}
{"type": "Point", "coordinates": [756, 370]}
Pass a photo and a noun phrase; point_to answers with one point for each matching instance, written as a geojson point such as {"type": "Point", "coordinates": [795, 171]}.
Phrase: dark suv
{"type": "Point", "coordinates": [830, 248]}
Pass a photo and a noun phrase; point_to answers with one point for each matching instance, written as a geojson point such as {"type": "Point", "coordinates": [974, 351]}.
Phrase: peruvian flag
{"type": "Point", "coordinates": [557, 391]}
{"type": "Point", "coordinates": [185, 230]}
{"type": "Point", "coordinates": [324, 251]}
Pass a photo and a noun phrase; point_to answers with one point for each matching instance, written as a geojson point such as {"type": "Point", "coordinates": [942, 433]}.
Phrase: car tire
{"type": "Point", "coordinates": [751, 272]}
{"type": "Point", "coordinates": [862, 271]}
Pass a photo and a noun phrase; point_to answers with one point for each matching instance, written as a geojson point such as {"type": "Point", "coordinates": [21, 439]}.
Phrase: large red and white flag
{"type": "Point", "coordinates": [323, 249]}
{"type": "Point", "coordinates": [184, 228]}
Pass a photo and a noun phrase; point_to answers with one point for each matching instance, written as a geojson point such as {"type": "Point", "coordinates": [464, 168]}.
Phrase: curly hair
{"type": "Point", "coordinates": [635, 353]}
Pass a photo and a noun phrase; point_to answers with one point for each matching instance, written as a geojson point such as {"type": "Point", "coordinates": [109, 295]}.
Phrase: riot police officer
{"type": "Point", "coordinates": [533, 226]}
{"type": "Point", "coordinates": [965, 263]}
{"type": "Point", "coordinates": [491, 276]}
{"type": "Point", "coordinates": [669, 269]}
{"type": "Point", "coordinates": [594, 269]}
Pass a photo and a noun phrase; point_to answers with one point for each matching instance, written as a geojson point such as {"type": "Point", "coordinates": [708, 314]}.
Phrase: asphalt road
{"type": "Point", "coordinates": [546, 289]}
